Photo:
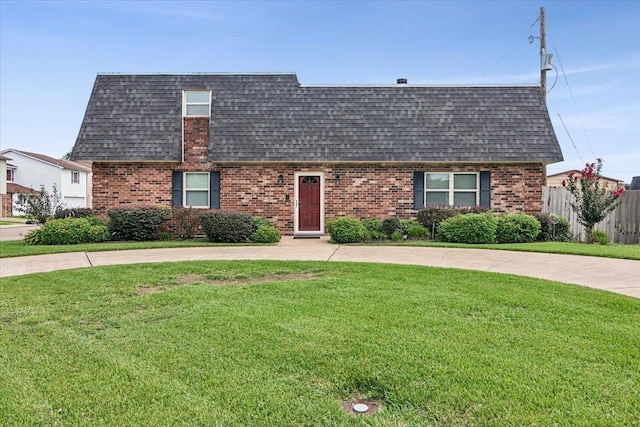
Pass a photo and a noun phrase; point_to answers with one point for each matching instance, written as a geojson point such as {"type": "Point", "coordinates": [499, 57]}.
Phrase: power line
{"type": "Point", "coordinates": [570, 138]}
{"type": "Point", "coordinates": [574, 103]}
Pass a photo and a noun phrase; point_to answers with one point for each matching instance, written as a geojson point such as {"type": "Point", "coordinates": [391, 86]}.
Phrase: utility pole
{"type": "Point", "coordinates": [543, 53]}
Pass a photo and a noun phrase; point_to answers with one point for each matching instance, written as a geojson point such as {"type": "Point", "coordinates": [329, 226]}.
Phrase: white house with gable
{"type": "Point", "coordinates": [33, 170]}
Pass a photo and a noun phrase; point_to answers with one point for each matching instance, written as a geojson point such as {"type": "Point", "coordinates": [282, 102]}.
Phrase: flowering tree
{"type": "Point", "coordinates": [591, 200]}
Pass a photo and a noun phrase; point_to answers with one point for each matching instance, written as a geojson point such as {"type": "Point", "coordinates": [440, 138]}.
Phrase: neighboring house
{"type": "Point", "coordinates": [32, 170]}
{"type": "Point", "coordinates": [300, 155]}
{"type": "Point", "coordinates": [555, 180]}
{"type": "Point", "coordinates": [635, 183]}
{"type": "Point", "coordinates": [4, 199]}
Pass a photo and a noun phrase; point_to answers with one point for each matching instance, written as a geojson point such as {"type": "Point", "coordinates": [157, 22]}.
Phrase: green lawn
{"type": "Point", "coordinates": [569, 248]}
{"type": "Point", "coordinates": [287, 343]}
{"type": "Point", "coordinates": [17, 248]}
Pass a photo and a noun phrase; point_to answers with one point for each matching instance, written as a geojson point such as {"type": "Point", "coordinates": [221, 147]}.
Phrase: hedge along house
{"type": "Point", "coordinates": [263, 144]}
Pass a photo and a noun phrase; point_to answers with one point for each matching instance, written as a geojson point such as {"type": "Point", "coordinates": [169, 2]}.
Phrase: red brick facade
{"type": "Point", "coordinates": [363, 190]}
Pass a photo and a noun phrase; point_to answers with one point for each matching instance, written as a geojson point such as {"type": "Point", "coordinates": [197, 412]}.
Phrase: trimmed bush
{"type": "Point", "coordinates": [553, 228]}
{"type": "Point", "coordinates": [68, 231]}
{"type": "Point", "coordinates": [396, 236]}
{"type": "Point", "coordinates": [346, 230]}
{"type": "Point", "coordinates": [517, 228]}
{"type": "Point", "coordinates": [74, 213]}
{"type": "Point", "coordinates": [186, 221]}
{"type": "Point", "coordinates": [418, 232]}
{"type": "Point", "coordinates": [137, 223]}
{"type": "Point", "coordinates": [469, 228]}
{"type": "Point", "coordinates": [391, 225]}
{"type": "Point", "coordinates": [371, 224]}
{"type": "Point", "coordinates": [431, 216]}
{"type": "Point", "coordinates": [227, 227]}
{"type": "Point", "coordinates": [257, 221]}
{"type": "Point", "coordinates": [407, 224]}
{"type": "Point", "coordinates": [266, 234]}
{"type": "Point", "coordinates": [372, 229]}
{"type": "Point", "coordinates": [264, 231]}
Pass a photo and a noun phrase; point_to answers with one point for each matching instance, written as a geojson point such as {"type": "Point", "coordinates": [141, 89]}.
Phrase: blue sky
{"type": "Point", "coordinates": [50, 53]}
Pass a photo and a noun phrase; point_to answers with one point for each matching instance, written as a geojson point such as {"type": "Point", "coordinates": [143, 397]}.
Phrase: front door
{"type": "Point", "coordinates": [309, 203]}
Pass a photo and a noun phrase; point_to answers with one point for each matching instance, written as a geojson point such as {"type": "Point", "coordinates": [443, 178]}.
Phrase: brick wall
{"type": "Point", "coordinates": [7, 205]}
{"type": "Point", "coordinates": [363, 191]}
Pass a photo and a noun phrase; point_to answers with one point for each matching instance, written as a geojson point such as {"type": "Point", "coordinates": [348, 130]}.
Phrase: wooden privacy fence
{"type": "Point", "coordinates": [622, 225]}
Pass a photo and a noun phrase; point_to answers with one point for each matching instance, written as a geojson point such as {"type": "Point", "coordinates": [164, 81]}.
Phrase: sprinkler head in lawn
{"type": "Point", "coordinates": [361, 407]}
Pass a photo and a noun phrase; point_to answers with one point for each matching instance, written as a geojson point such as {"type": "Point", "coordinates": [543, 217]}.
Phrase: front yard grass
{"type": "Point", "coordinates": [269, 343]}
{"type": "Point", "coordinates": [17, 248]}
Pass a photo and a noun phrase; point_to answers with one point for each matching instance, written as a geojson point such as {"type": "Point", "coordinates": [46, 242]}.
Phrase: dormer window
{"type": "Point", "coordinates": [196, 103]}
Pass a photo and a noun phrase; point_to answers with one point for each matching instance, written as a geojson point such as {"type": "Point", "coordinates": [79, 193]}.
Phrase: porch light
{"type": "Point", "coordinates": [337, 178]}
{"type": "Point", "coordinates": [280, 179]}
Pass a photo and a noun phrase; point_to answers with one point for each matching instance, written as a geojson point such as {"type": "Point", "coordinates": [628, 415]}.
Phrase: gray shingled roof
{"type": "Point", "coordinates": [271, 117]}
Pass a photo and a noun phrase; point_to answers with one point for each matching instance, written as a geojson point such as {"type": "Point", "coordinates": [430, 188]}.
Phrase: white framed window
{"type": "Point", "coordinates": [11, 175]}
{"type": "Point", "coordinates": [452, 188]}
{"type": "Point", "coordinates": [75, 177]}
{"type": "Point", "coordinates": [196, 103]}
{"type": "Point", "coordinates": [196, 190]}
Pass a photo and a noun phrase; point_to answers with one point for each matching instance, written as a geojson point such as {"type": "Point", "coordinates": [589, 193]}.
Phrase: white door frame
{"type": "Point", "coordinates": [296, 203]}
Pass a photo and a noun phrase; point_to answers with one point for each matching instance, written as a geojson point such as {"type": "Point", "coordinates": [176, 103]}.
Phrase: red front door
{"type": "Point", "coordinates": [309, 203]}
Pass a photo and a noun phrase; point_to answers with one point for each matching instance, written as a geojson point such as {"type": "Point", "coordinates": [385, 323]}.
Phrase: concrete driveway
{"type": "Point", "coordinates": [15, 232]}
{"type": "Point", "coordinates": [614, 275]}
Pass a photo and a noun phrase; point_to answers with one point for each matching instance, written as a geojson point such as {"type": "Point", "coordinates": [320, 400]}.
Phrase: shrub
{"type": "Point", "coordinates": [372, 224]}
{"type": "Point", "coordinates": [41, 206]}
{"type": "Point", "coordinates": [372, 229]}
{"type": "Point", "coordinates": [186, 221]}
{"type": "Point", "coordinates": [266, 234]}
{"type": "Point", "coordinates": [34, 237]}
{"type": "Point", "coordinates": [257, 221]}
{"type": "Point", "coordinates": [470, 228]}
{"type": "Point", "coordinates": [517, 228]}
{"type": "Point", "coordinates": [418, 232]}
{"type": "Point", "coordinates": [227, 227]}
{"type": "Point", "coordinates": [600, 237]}
{"type": "Point", "coordinates": [346, 230]}
{"type": "Point", "coordinates": [407, 224]}
{"type": "Point", "coordinates": [552, 228]}
{"type": "Point", "coordinates": [391, 225]}
{"type": "Point", "coordinates": [396, 236]}
{"type": "Point", "coordinates": [137, 223]}
{"type": "Point", "coordinates": [73, 213]}
{"type": "Point", "coordinates": [431, 216]}
{"type": "Point", "coordinates": [68, 231]}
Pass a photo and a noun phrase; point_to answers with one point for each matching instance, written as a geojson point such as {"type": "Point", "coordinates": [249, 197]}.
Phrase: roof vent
{"type": "Point", "coordinates": [402, 81]}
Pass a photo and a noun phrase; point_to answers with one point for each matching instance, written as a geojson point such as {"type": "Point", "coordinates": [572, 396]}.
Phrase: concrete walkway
{"type": "Point", "coordinates": [615, 275]}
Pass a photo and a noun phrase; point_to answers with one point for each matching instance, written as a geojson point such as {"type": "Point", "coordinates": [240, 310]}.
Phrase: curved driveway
{"type": "Point", "coordinates": [615, 275]}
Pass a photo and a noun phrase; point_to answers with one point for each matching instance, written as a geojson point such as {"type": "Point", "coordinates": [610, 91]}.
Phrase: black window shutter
{"type": "Point", "coordinates": [485, 189]}
{"type": "Point", "coordinates": [176, 189]}
{"type": "Point", "coordinates": [418, 190]}
{"type": "Point", "coordinates": [214, 188]}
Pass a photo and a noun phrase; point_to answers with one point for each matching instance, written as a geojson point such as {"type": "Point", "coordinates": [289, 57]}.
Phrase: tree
{"type": "Point", "coordinates": [591, 200]}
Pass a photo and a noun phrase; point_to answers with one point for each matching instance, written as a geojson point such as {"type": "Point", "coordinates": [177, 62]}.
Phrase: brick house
{"type": "Point", "coordinates": [263, 144]}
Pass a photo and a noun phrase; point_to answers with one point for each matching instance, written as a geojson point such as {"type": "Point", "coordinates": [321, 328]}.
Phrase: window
{"type": "Point", "coordinates": [196, 103]}
{"type": "Point", "coordinates": [196, 189]}
{"type": "Point", "coordinates": [453, 189]}
{"type": "Point", "coordinates": [75, 177]}
{"type": "Point", "coordinates": [11, 175]}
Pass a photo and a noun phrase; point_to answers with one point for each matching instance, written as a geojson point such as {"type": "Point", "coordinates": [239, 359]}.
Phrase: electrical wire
{"type": "Point", "coordinates": [574, 102]}
{"type": "Point", "coordinates": [570, 138]}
